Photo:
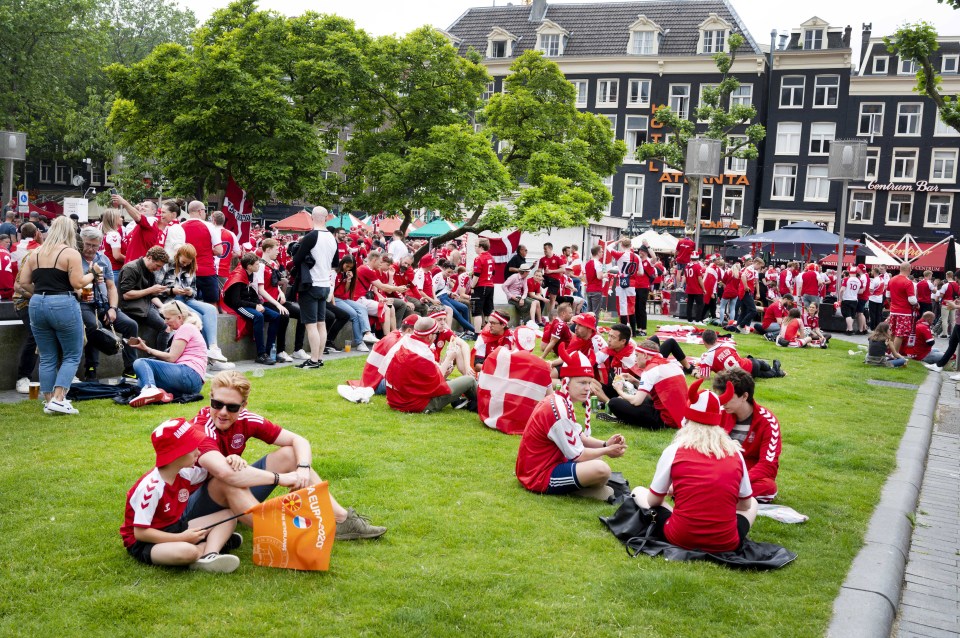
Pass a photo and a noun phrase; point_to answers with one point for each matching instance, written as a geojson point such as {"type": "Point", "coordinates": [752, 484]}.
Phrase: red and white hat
{"type": "Point", "coordinates": [587, 320]}
{"type": "Point", "coordinates": [496, 316]}
{"type": "Point", "coordinates": [706, 407]}
{"type": "Point", "coordinates": [695, 254]}
{"type": "Point", "coordinates": [438, 314]}
{"type": "Point", "coordinates": [411, 320]}
{"type": "Point", "coordinates": [525, 338]}
{"type": "Point", "coordinates": [173, 439]}
{"type": "Point", "coordinates": [647, 351]}
{"type": "Point", "coordinates": [575, 364]}
{"type": "Point", "coordinates": [434, 328]}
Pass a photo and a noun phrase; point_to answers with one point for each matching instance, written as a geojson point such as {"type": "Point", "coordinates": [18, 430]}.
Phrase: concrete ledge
{"type": "Point", "coordinates": [869, 597]}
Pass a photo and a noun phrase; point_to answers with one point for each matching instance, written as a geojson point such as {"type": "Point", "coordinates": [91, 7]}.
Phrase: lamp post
{"type": "Point", "coordinates": [726, 218]}
{"type": "Point", "coordinates": [13, 147]}
{"type": "Point", "coordinates": [848, 161]}
{"type": "Point", "coordinates": [703, 160]}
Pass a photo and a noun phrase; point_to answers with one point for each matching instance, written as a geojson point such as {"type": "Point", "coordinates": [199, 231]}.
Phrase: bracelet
{"type": "Point", "coordinates": [307, 466]}
{"type": "Point", "coordinates": [276, 479]}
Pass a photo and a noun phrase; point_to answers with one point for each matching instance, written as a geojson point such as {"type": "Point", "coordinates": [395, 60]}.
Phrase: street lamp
{"type": "Point", "coordinates": [726, 218]}
{"type": "Point", "coordinates": [13, 147]}
{"type": "Point", "coordinates": [703, 160]}
{"type": "Point", "coordinates": [848, 161]}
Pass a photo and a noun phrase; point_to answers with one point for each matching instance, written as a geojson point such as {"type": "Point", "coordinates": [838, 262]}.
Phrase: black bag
{"type": "Point", "coordinates": [105, 340]}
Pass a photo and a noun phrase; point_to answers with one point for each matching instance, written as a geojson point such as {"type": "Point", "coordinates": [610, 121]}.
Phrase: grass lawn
{"type": "Point", "coordinates": [468, 551]}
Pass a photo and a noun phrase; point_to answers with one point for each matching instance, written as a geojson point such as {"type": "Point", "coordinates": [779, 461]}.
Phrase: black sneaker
{"type": "Point", "coordinates": [129, 374]}
{"type": "Point", "coordinates": [461, 404]}
{"type": "Point", "coordinates": [330, 350]}
{"type": "Point", "coordinates": [309, 364]}
{"type": "Point", "coordinates": [234, 542]}
{"type": "Point", "coordinates": [265, 360]}
{"type": "Point", "coordinates": [605, 416]}
{"type": "Point", "coordinates": [90, 374]}
{"type": "Point", "coordinates": [641, 333]}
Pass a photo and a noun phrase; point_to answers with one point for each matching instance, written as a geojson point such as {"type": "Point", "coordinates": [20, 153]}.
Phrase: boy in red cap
{"type": "Point", "coordinates": [557, 455]}
{"type": "Point", "coordinates": [155, 530]}
{"type": "Point", "coordinates": [713, 504]}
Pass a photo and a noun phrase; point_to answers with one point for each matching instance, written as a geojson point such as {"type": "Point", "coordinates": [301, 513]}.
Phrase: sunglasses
{"type": "Point", "coordinates": [233, 408]}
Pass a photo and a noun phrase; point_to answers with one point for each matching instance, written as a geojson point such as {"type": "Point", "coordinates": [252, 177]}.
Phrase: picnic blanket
{"type": "Point", "coordinates": [685, 333]}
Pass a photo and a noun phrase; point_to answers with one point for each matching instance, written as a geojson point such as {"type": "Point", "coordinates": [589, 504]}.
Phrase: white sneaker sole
{"type": "Point", "coordinates": [221, 564]}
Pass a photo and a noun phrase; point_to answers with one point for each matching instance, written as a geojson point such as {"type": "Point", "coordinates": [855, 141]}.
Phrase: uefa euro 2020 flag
{"type": "Point", "coordinates": [294, 531]}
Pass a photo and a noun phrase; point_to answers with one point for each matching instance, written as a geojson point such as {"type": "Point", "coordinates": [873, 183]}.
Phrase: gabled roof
{"type": "Point", "coordinates": [600, 28]}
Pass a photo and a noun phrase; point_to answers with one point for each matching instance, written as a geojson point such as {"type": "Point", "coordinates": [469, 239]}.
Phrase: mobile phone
{"type": "Point", "coordinates": [113, 191]}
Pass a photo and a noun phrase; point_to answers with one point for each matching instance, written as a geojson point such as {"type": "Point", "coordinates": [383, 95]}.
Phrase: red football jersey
{"type": "Point", "coordinates": [900, 289]}
{"type": "Point", "coordinates": [234, 439]}
{"type": "Point", "coordinates": [551, 263]}
{"type": "Point", "coordinates": [552, 436]}
{"type": "Point", "coordinates": [153, 503]}
{"type": "Point", "coordinates": [483, 267]}
{"type": "Point", "coordinates": [8, 274]}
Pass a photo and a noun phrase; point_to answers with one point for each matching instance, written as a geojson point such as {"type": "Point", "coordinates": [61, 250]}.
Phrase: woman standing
{"type": "Point", "coordinates": [54, 272]}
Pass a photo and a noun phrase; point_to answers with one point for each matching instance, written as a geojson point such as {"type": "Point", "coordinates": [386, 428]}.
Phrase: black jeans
{"type": "Point", "coordinates": [645, 415]}
{"type": "Point", "coordinates": [282, 323]}
{"type": "Point", "coordinates": [670, 347]}
{"type": "Point", "coordinates": [694, 306]}
{"type": "Point", "coordinates": [748, 310]}
{"type": "Point", "coordinates": [209, 289]}
{"type": "Point", "coordinates": [762, 369]}
{"type": "Point", "coordinates": [28, 349]}
{"type": "Point", "coordinates": [641, 308]}
{"type": "Point", "coordinates": [336, 319]}
{"type": "Point", "coordinates": [951, 346]}
{"type": "Point", "coordinates": [876, 313]}
{"type": "Point", "coordinates": [125, 327]}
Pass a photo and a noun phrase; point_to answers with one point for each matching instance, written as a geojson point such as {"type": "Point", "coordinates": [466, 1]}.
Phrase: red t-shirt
{"type": "Point", "coordinates": [920, 343]}
{"type": "Point", "coordinates": [197, 234]}
{"type": "Point", "coordinates": [559, 329]}
{"type": "Point", "coordinates": [684, 249]}
{"type": "Point", "coordinates": [483, 268]}
{"type": "Point", "coordinates": [810, 283]}
{"type": "Point", "coordinates": [693, 272]}
{"type": "Point", "coordinates": [552, 437]}
{"type": "Point", "coordinates": [792, 330]}
{"type": "Point", "coordinates": [900, 289]}
{"type": "Point", "coordinates": [155, 504]}
{"type": "Point", "coordinates": [8, 273]}
{"type": "Point", "coordinates": [234, 439]}
{"type": "Point", "coordinates": [731, 286]}
{"type": "Point", "coordinates": [923, 291]}
{"type": "Point", "coordinates": [146, 234]}
{"type": "Point", "coordinates": [594, 273]}
{"type": "Point", "coordinates": [773, 314]}
{"type": "Point", "coordinates": [551, 263]}
{"type": "Point", "coordinates": [365, 277]}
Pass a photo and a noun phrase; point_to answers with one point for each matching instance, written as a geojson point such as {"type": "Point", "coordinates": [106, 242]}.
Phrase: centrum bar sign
{"type": "Point", "coordinates": [920, 187]}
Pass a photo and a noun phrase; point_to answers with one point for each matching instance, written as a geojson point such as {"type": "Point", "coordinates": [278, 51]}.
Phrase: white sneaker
{"type": "Point", "coordinates": [214, 354]}
{"type": "Point", "coordinates": [216, 563]}
{"type": "Point", "coordinates": [370, 338]}
{"type": "Point", "coordinates": [23, 385]}
{"type": "Point", "coordinates": [355, 395]}
{"type": "Point", "coordinates": [221, 365]}
{"type": "Point", "coordinates": [59, 407]}
{"type": "Point", "coordinates": [284, 357]}
{"type": "Point", "coordinates": [932, 366]}
{"type": "Point", "coordinates": [148, 395]}
{"type": "Point", "coordinates": [955, 377]}
{"type": "Point", "coordinates": [301, 355]}
{"type": "Point", "coordinates": [362, 347]}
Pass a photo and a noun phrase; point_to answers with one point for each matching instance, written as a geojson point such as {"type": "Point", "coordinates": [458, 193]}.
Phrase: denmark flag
{"type": "Point", "coordinates": [238, 211]}
{"type": "Point", "coordinates": [503, 249]}
{"type": "Point", "coordinates": [510, 385]}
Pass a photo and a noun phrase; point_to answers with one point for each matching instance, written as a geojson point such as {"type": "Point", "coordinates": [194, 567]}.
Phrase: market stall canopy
{"type": "Point", "coordinates": [301, 222]}
{"type": "Point", "coordinates": [659, 242]}
{"type": "Point", "coordinates": [878, 257]}
{"type": "Point", "coordinates": [805, 237]}
{"type": "Point", "coordinates": [434, 229]}
{"type": "Point", "coordinates": [389, 225]}
{"type": "Point", "coordinates": [345, 221]}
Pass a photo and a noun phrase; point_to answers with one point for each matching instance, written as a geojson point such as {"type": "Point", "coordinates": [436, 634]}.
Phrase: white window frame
{"type": "Point", "coordinates": [908, 155]}
{"type": "Point", "coordinates": [612, 117]}
{"type": "Point", "coordinates": [736, 165]}
{"type": "Point", "coordinates": [633, 193]}
{"type": "Point", "coordinates": [577, 84]}
{"type": "Point", "coordinates": [873, 156]}
{"type": "Point", "coordinates": [61, 173]}
{"type": "Point", "coordinates": [606, 87]}
{"type": "Point", "coordinates": [96, 174]}
{"type": "Point", "coordinates": [819, 83]}
{"type": "Point", "coordinates": [802, 87]}
{"type": "Point", "coordinates": [822, 134]}
{"type": "Point", "coordinates": [744, 99]}
{"type": "Point", "coordinates": [731, 201]}
{"type": "Point", "coordinates": [899, 198]}
{"type": "Point", "coordinates": [855, 212]}
{"type": "Point", "coordinates": [329, 174]}
{"type": "Point", "coordinates": [643, 42]}
{"type": "Point", "coordinates": [949, 155]}
{"type": "Point", "coordinates": [788, 139]}
{"type": "Point", "coordinates": [822, 39]}
{"type": "Point", "coordinates": [683, 113]}
{"type": "Point", "coordinates": [644, 26]}
{"type": "Point", "coordinates": [608, 182]}
{"type": "Point", "coordinates": [953, 67]}
{"type": "Point", "coordinates": [550, 44]}
{"type": "Point", "coordinates": [639, 102]}
{"type": "Point", "coordinates": [489, 90]}
{"type": "Point", "coordinates": [907, 67]}
{"type": "Point", "coordinates": [713, 40]}
{"type": "Point", "coordinates": [915, 118]}
{"type": "Point", "coordinates": [629, 133]}
{"type": "Point", "coordinates": [45, 171]}
{"type": "Point", "coordinates": [885, 59]}
{"type": "Point", "coordinates": [942, 129]}
{"type": "Point", "coordinates": [492, 46]}
{"type": "Point", "coordinates": [816, 187]}
{"type": "Point", "coordinates": [673, 188]}
{"type": "Point", "coordinates": [876, 120]}
{"type": "Point", "coordinates": [500, 35]}
{"type": "Point", "coordinates": [782, 176]}
{"type": "Point", "coordinates": [948, 206]}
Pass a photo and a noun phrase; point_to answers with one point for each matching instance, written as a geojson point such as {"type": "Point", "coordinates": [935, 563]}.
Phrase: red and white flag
{"type": "Point", "coordinates": [510, 385]}
{"type": "Point", "coordinates": [238, 211]}
{"type": "Point", "coordinates": [503, 249]}
{"type": "Point", "coordinates": [605, 255]}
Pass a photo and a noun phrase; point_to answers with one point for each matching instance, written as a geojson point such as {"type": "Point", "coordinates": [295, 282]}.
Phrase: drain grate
{"type": "Point", "coordinates": [893, 384]}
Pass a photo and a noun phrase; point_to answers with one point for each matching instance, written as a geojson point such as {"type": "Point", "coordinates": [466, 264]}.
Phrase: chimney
{"type": "Point", "coordinates": [865, 42]}
{"type": "Point", "coordinates": [538, 10]}
{"type": "Point", "coordinates": [773, 46]}
{"type": "Point", "coordinates": [846, 36]}
{"type": "Point", "coordinates": [783, 41]}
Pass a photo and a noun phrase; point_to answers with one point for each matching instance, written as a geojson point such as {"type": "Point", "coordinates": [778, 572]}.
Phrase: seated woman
{"type": "Point", "coordinates": [180, 279]}
{"type": "Point", "coordinates": [344, 299]}
{"type": "Point", "coordinates": [792, 334]}
{"type": "Point", "coordinates": [881, 350]}
{"type": "Point", "coordinates": [178, 370]}
{"type": "Point", "coordinates": [713, 507]}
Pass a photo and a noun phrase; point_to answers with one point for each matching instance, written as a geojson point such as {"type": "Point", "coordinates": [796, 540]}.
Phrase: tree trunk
{"type": "Point", "coordinates": [693, 201]}
{"type": "Point", "coordinates": [407, 218]}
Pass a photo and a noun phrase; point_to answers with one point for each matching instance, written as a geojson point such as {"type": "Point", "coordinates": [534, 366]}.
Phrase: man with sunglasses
{"type": "Point", "coordinates": [227, 426]}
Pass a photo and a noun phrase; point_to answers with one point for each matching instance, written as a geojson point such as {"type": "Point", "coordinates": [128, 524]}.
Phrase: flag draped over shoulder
{"type": "Point", "coordinates": [502, 249]}
{"type": "Point", "coordinates": [238, 211]}
{"type": "Point", "coordinates": [510, 385]}
{"type": "Point", "coordinates": [294, 531]}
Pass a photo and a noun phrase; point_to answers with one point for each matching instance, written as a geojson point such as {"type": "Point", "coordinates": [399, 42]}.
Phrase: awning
{"type": "Point", "coordinates": [925, 255]}
{"type": "Point", "coordinates": [878, 258]}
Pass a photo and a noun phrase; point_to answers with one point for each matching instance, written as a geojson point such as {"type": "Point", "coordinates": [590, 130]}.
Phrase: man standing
{"type": "Point", "coordinates": [316, 259]}
{"type": "Point", "coordinates": [749, 288]}
{"type": "Point", "coordinates": [397, 248]}
{"type": "Point", "coordinates": [685, 248]}
{"type": "Point", "coordinates": [594, 273]}
{"type": "Point", "coordinates": [903, 299]}
{"type": "Point", "coordinates": [149, 228]}
{"type": "Point", "coordinates": [9, 225]}
{"type": "Point", "coordinates": [230, 247]}
{"type": "Point", "coordinates": [628, 264]}
{"type": "Point", "coordinates": [205, 239]}
{"type": "Point", "coordinates": [808, 286]}
{"type": "Point", "coordinates": [482, 296]}
{"type": "Point", "coordinates": [552, 267]}
{"type": "Point", "coordinates": [693, 274]}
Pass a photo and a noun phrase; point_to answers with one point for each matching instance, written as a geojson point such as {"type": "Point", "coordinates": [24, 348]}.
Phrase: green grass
{"type": "Point", "coordinates": [468, 551]}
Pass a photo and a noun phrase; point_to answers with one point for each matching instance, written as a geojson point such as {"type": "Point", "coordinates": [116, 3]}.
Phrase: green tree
{"type": "Point", "coordinates": [721, 119]}
{"type": "Point", "coordinates": [918, 42]}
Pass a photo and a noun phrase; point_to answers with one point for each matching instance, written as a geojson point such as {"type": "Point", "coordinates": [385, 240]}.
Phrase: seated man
{"type": "Point", "coordinates": [415, 382]}
{"type": "Point", "coordinates": [723, 356]}
{"type": "Point", "coordinates": [919, 345]}
{"type": "Point", "coordinates": [756, 429]}
{"type": "Point", "coordinates": [557, 455]}
{"type": "Point", "coordinates": [372, 382]}
{"type": "Point", "coordinates": [496, 334]}
{"type": "Point", "coordinates": [138, 287]}
{"type": "Point", "coordinates": [557, 331]}
{"type": "Point", "coordinates": [585, 339]}
{"type": "Point", "coordinates": [658, 398]}
{"type": "Point", "coordinates": [241, 299]}
{"type": "Point", "coordinates": [617, 357]}
{"type": "Point", "coordinates": [773, 315]}
{"type": "Point", "coordinates": [517, 292]}
{"type": "Point", "coordinates": [228, 425]}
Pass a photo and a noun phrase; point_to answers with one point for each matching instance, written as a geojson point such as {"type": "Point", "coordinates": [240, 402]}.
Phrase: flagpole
{"type": "Point", "coordinates": [226, 520]}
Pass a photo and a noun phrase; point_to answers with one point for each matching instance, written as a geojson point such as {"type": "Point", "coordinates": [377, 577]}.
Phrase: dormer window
{"type": "Point", "coordinates": [813, 39]}
{"type": "Point", "coordinates": [644, 37]}
{"type": "Point", "coordinates": [714, 33]}
{"type": "Point", "coordinates": [551, 39]}
{"type": "Point", "coordinates": [500, 43]}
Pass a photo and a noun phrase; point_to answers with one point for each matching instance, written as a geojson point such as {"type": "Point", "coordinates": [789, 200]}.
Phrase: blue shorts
{"type": "Point", "coordinates": [201, 504]}
{"type": "Point", "coordinates": [563, 479]}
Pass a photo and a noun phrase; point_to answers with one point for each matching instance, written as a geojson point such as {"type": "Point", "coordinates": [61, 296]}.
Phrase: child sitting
{"type": "Point", "coordinates": [881, 350]}
{"type": "Point", "coordinates": [792, 334]}
{"type": "Point", "coordinates": [811, 323]}
{"type": "Point", "coordinates": [154, 530]}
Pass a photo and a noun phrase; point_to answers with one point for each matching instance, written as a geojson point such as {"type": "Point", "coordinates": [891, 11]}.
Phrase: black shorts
{"type": "Point", "coordinates": [551, 286]}
{"type": "Point", "coordinates": [481, 301]}
{"type": "Point", "coordinates": [849, 308]}
{"type": "Point", "coordinates": [564, 299]}
{"type": "Point", "coordinates": [663, 513]}
{"type": "Point", "coordinates": [141, 551]}
{"type": "Point", "coordinates": [861, 306]}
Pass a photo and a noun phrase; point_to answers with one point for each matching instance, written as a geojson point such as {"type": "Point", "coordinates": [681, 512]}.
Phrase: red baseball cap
{"type": "Point", "coordinates": [175, 438]}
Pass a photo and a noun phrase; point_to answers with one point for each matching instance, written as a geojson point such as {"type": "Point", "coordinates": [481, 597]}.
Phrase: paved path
{"type": "Point", "coordinates": [930, 602]}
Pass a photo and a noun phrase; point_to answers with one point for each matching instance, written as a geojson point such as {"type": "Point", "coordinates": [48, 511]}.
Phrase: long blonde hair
{"type": "Point", "coordinates": [110, 220]}
{"type": "Point", "coordinates": [709, 440]}
{"type": "Point", "coordinates": [179, 308]}
{"type": "Point", "coordinates": [188, 251]}
{"type": "Point", "coordinates": [62, 232]}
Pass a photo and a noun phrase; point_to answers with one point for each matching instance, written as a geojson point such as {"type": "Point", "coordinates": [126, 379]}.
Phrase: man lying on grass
{"type": "Point", "coordinates": [557, 455]}
{"type": "Point", "coordinates": [155, 529]}
{"type": "Point", "coordinates": [227, 425]}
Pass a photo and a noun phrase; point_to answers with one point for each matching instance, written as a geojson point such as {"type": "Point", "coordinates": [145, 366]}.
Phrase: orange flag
{"type": "Point", "coordinates": [294, 531]}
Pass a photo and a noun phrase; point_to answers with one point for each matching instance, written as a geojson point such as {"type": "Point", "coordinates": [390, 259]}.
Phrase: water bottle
{"type": "Point", "coordinates": [273, 352]}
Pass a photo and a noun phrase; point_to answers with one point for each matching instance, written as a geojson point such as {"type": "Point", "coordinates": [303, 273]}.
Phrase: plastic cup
{"type": "Point", "coordinates": [258, 372]}
{"type": "Point", "coordinates": [346, 347]}
{"type": "Point", "coordinates": [34, 391]}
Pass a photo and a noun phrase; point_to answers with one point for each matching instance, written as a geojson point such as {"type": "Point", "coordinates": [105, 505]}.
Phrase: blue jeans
{"type": "Point", "coordinates": [728, 308]}
{"type": "Point", "coordinates": [773, 328]}
{"type": "Point", "coordinates": [359, 318]}
{"type": "Point", "coordinates": [208, 317]}
{"type": "Point", "coordinates": [272, 319]}
{"type": "Point", "coordinates": [175, 378]}
{"type": "Point", "coordinates": [58, 329]}
{"type": "Point", "coordinates": [460, 311]}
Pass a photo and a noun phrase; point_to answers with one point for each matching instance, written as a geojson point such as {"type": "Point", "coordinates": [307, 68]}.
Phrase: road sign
{"type": "Point", "coordinates": [23, 203]}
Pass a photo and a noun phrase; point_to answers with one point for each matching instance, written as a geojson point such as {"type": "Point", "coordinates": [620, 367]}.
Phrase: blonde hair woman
{"type": "Point", "coordinates": [177, 371]}
{"type": "Point", "coordinates": [111, 225]}
{"type": "Point", "coordinates": [705, 471]}
{"type": "Point", "coordinates": [52, 273]}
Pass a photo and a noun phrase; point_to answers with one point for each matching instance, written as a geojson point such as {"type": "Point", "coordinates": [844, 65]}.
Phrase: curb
{"type": "Point", "coordinates": [868, 600]}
